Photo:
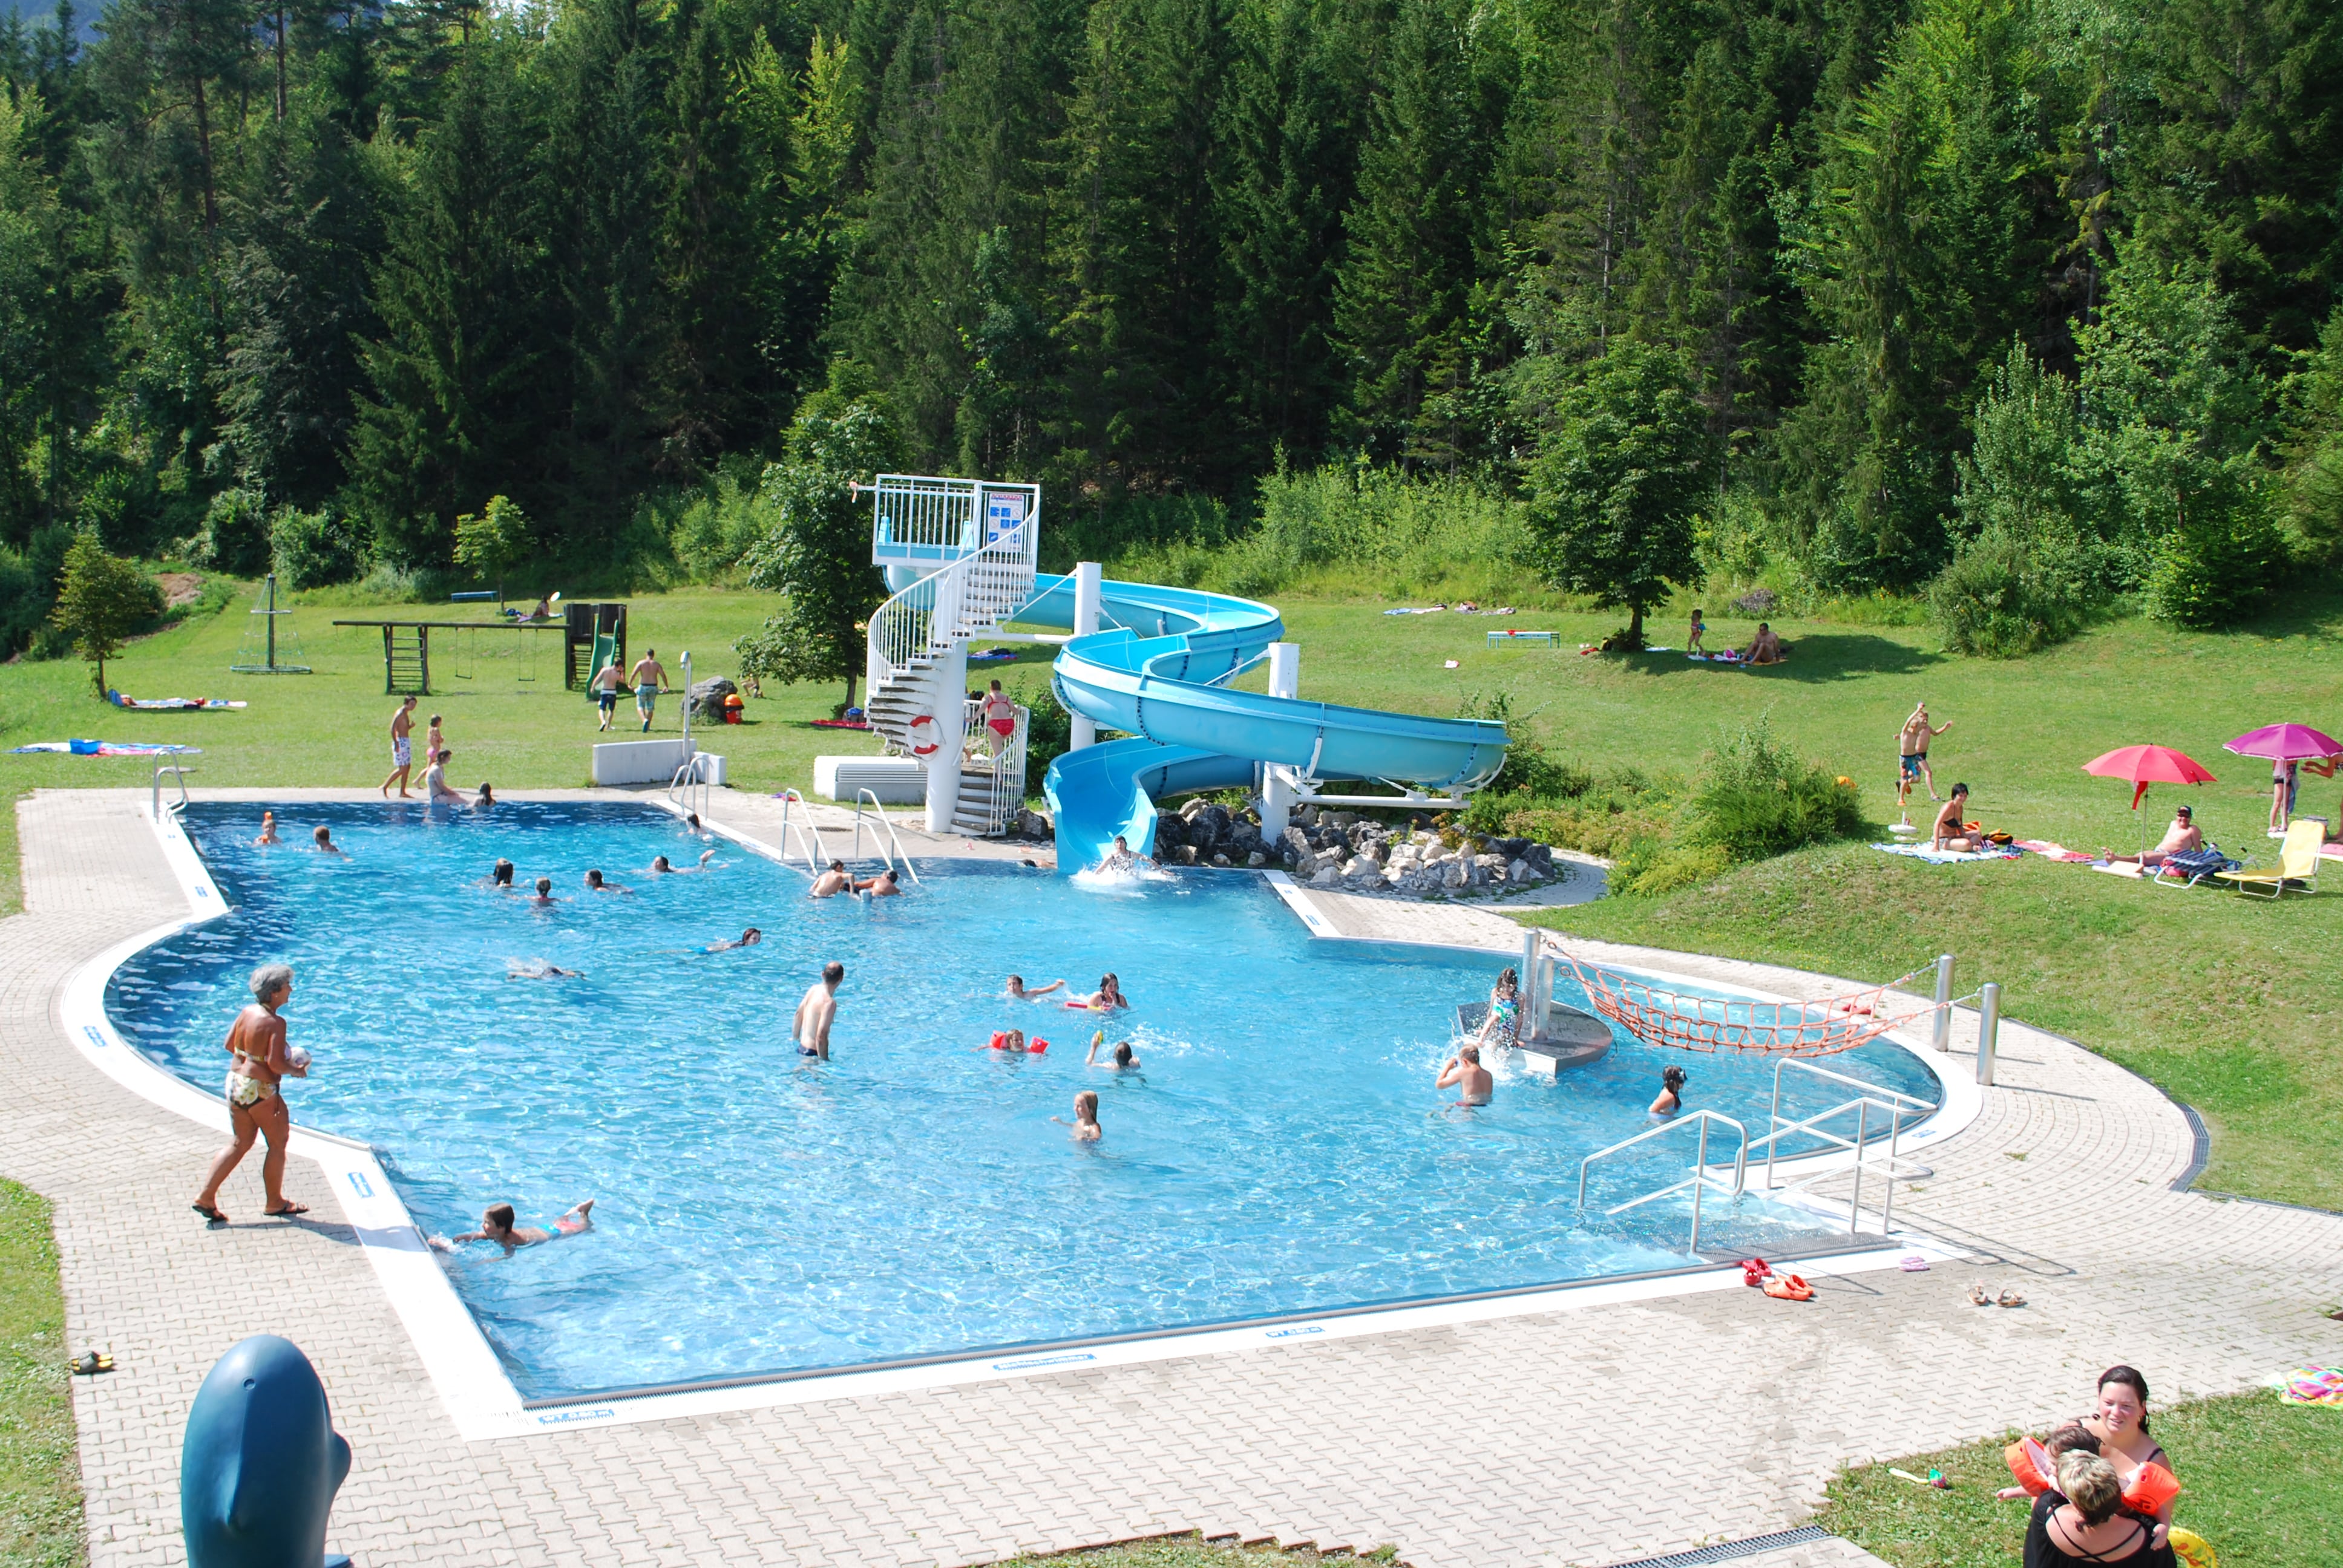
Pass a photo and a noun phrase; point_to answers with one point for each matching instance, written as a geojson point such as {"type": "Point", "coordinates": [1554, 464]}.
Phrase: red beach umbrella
{"type": "Point", "coordinates": [2146, 764]}
{"type": "Point", "coordinates": [2286, 743]}
{"type": "Point", "coordinates": [2142, 766]}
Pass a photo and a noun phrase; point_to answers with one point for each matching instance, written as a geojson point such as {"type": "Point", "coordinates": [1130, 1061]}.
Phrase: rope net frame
{"type": "Point", "coordinates": [1740, 1025]}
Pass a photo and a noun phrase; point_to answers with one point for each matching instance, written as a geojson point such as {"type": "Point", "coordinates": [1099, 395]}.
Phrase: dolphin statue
{"type": "Point", "coordinates": [261, 1463]}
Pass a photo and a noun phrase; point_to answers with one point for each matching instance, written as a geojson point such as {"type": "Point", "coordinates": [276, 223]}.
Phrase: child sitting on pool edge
{"type": "Point", "coordinates": [1085, 1122]}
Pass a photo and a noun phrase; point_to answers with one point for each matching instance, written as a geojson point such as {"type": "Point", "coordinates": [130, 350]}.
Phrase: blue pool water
{"type": "Point", "coordinates": [1281, 1149]}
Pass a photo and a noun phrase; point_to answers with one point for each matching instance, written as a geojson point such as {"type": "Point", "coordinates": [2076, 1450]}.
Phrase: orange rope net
{"type": "Point", "coordinates": [1709, 1023]}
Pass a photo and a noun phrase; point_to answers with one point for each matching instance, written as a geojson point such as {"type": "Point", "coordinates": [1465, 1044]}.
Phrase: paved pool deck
{"type": "Point", "coordinates": [1586, 1434]}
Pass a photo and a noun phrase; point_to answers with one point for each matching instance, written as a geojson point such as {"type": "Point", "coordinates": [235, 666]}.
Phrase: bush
{"type": "Point", "coordinates": [716, 529]}
{"type": "Point", "coordinates": [315, 549]}
{"type": "Point", "coordinates": [1757, 797]}
{"type": "Point", "coordinates": [235, 535]}
{"type": "Point", "coordinates": [1652, 866]}
{"type": "Point", "coordinates": [2217, 567]}
{"type": "Point", "coordinates": [24, 602]}
{"type": "Point", "coordinates": [2004, 597]}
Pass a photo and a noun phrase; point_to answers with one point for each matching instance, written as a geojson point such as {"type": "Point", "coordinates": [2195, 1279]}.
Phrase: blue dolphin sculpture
{"type": "Point", "coordinates": [262, 1461]}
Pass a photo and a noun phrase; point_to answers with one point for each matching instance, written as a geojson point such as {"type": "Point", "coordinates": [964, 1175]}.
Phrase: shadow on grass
{"type": "Point", "coordinates": [1815, 656]}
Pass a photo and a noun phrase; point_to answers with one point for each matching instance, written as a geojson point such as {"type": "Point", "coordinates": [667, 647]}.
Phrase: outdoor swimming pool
{"type": "Point", "coordinates": [1280, 1149]}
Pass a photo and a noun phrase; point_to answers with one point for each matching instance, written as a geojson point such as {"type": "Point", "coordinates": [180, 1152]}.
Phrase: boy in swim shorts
{"type": "Point", "coordinates": [817, 1011]}
{"type": "Point", "coordinates": [606, 692]}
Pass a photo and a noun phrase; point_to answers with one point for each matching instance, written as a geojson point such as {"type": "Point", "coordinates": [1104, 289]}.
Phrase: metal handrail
{"type": "Point", "coordinates": [1698, 1181]}
{"type": "Point", "coordinates": [1006, 792]}
{"type": "Point", "coordinates": [1893, 1107]}
{"type": "Point", "coordinates": [816, 854]}
{"type": "Point", "coordinates": [964, 598]}
{"type": "Point", "coordinates": [694, 772]}
{"type": "Point", "coordinates": [880, 812]}
{"type": "Point", "coordinates": [180, 774]}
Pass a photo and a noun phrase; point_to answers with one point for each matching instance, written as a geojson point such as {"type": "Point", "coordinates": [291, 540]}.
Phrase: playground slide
{"type": "Point", "coordinates": [1154, 674]}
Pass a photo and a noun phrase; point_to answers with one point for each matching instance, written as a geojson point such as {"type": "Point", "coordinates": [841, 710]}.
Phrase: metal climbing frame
{"type": "Point", "coordinates": [1700, 1180]}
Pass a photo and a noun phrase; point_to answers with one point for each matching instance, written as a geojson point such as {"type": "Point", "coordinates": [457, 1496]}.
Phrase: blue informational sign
{"type": "Point", "coordinates": [1003, 510]}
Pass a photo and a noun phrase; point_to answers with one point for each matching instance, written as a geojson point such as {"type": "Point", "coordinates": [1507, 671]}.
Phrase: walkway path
{"type": "Point", "coordinates": [1583, 1435]}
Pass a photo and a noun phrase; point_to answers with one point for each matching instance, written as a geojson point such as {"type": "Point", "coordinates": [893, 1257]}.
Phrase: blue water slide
{"type": "Point", "coordinates": [1155, 674]}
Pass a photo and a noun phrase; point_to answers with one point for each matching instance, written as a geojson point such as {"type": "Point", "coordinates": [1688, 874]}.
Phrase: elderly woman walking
{"type": "Point", "coordinates": [256, 1042]}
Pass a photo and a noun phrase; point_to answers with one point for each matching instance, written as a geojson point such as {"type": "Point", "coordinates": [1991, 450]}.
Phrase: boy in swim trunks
{"type": "Point", "coordinates": [1912, 754]}
{"type": "Point", "coordinates": [649, 674]}
{"type": "Point", "coordinates": [402, 748]}
{"type": "Point", "coordinates": [817, 1012]}
{"type": "Point", "coordinates": [606, 692]}
{"type": "Point", "coordinates": [497, 1225]}
{"type": "Point", "coordinates": [1474, 1084]}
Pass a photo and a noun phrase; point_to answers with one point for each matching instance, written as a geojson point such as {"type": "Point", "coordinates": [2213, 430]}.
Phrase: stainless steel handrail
{"type": "Point", "coordinates": [694, 771]}
{"type": "Point", "coordinates": [816, 854]}
{"type": "Point", "coordinates": [1895, 1106]}
{"type": "Point", "coordinates": [180, 774]}
{"type": "Point", "coordinates": [1698, 1181]}
{"type": "Point", "coordinates": [880, 812]}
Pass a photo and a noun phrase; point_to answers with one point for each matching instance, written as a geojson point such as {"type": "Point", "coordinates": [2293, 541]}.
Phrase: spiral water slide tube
{"type": "Point", "coordinates": [1159, 674]}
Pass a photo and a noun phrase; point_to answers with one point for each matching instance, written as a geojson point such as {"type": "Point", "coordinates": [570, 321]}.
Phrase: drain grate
{"type": "Point", "coordinates": [1733, 1551]}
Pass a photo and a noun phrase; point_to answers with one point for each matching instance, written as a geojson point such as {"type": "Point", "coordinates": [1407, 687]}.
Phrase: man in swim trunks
{"type": "Point", "coordinates": [605, 687]}
{"type": "Point", "coordinates": [256, 1042]}
{"type": "Point", "coordinates": [834, 880]}
{"type": "Point", "coordinates": [497, 1225]}
{"type": "Point", "coordinates": [1763, 649]}
{"type": "Point", "coordinates": [402, 748]}
{"type": "Point", "coordinates": [648, 676]}
{"type": "Point", "coordinates": [1474, 1083]}
{"type": "Point", "coordinates": [881, 886]}
{"type": "Point", "coordinates": [2182, 838]}
{"type": "Point", "coordinates": [1912, 754]}
{"type": "Point", "coordinates": [817, 1012]}
{"type": "Point", "coordinates": [999, 718]}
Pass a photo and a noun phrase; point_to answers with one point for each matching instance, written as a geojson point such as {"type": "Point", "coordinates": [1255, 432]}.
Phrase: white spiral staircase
{"type": "Point", "coordinates": [913, 671]}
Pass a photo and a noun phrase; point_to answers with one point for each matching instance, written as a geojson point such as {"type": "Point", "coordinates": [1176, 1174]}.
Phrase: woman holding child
{"type": "Point", "coordinates": [2104, 1487]}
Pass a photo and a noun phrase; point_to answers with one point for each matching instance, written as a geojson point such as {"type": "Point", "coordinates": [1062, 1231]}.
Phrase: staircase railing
{"type": "Point", "coordinates": [1004, 772]}
{"type": "Point", "coordinates": [963, 599]}
{"type": "Point", "coordinates": [178, 774]}
{"type": "Point", "coordinates": [1862, 1150]}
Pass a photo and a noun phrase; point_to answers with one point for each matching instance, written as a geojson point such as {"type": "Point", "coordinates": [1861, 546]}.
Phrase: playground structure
{"type": "Point", "coordinates": [268, 637]}
{"type": "Point", "coordinates": [406, 646]}
{"type": "Point", "coordinates": [1155, 662]}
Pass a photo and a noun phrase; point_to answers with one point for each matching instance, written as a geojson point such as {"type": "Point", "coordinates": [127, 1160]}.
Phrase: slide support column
{"type": "Point", "coordinates": [1086, 621]}
{"type": "Point", "coordinates": [948, 681]}
{"type": "Point", "coordinates": [1277, 786]}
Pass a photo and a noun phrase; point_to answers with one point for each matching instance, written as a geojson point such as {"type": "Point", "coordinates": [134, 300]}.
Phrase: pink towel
{"type": "Point", "coordinates": [2049, 850]}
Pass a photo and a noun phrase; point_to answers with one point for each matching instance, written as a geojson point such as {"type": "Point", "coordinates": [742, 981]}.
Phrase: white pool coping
{"type": "Point", "coordinates": [485, 1405]}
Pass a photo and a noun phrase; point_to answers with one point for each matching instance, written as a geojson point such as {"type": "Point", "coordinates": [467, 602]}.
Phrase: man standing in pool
{"type": "Point", "coordinates": [834, 880]}
{"type": "Point", "coordinates": [1474, 1083]}
{"type": "Point", "coordinates": [817, 1012]}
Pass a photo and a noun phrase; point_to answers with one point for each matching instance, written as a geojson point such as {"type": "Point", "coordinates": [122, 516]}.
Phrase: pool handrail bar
{"type": "Point", "coordinates": [1895, 1106]}
{"type": "Point", "coordinates": [693, 774]}
{"type": "Point", "coordinates": [815, 856]}
{"type": "Point", "coordinates": [179, 773]}
{"type": "Point", "coordinates": [880, 812]}
{"type": "Point", "coordinates": [1698, 1181]}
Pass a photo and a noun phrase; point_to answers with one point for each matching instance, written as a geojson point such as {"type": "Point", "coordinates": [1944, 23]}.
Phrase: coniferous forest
{"type": "Point", "coordinates": [2025, 305]}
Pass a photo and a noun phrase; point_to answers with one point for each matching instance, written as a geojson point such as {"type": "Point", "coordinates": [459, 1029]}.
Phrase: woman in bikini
{"type": "Point", "coordinates": [256, 1041]}
{"type": "Point", "coordinates": [2079, 1524]}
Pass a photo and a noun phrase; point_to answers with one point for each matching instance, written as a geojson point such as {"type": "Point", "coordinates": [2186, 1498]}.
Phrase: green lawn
{"type": "Point", "coordinates": [40, 1484]}
{"type": "Point", "coordinates": [2265, 1488]}
{"type": "Point", "coordinates": [2226, 1003]}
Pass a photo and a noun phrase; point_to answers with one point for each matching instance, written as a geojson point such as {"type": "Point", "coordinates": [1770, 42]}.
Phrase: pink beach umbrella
{"type": "Point", "coordinates": [2286, 743]}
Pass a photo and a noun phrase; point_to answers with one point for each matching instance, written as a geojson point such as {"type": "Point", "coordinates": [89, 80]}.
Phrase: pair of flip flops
{"type": "Point", "coordinates": [1981, 1297]}
{"type": "Point", "coordinates": [89, 1363]}
{"type": "Point", "coordinates": [1760, 1274]}
{"type": "Point", "coordinates": [212, 1216]}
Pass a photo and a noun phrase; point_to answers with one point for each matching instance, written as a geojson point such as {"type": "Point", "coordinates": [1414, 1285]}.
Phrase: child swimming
{"type": "Point", "coordinates": [1124, 1059]}
{"type": "Point", "coordinates": [1671, 1096]}
{"type": "Point", "coordinates": [1085, 1122]}
{"type": "Point", "coordinates": [497, 1225]}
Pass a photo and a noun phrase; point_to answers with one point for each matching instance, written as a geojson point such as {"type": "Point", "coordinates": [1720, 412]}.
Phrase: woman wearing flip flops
{"type": "Point", "coordinates": [255, 1105]}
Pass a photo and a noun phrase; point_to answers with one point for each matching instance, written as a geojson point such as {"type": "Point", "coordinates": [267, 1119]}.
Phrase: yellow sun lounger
{"type": "Point", "coordinates": [2297, 862]}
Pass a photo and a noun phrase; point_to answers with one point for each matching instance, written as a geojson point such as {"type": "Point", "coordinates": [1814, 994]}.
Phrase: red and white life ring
{"type": "Point", "coordinates": [929, 747]}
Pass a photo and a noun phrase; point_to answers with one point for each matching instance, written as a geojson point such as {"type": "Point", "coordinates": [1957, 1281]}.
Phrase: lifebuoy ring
{"type": "Point", "coordinates": [930, 748]}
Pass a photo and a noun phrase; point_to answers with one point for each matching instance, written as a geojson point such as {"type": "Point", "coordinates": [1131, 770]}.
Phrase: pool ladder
{"type": "Point", "coordinates": [801, 832]}
{"type": "Point", "coordinates": [691, 777]}
{"type": "Point", "coordinates": [1861, 1151]}
{"type": "Point", "coordinates": [1700, 1180]}
{"type": "Point", "coordinates": [179, 776]}
{"type": "Point", "coordinates": [876, 843]}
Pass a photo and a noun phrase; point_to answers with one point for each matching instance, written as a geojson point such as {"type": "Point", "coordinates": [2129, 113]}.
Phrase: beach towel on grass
{"type": "Point", "coordinates": [1945, 857]}
{"type": "Point", "coordinates": [107, 748]}
{"type": "Point", "coordinates": [2050, 850]}
{"type": "Point", "coordinates": [2313, 1385]}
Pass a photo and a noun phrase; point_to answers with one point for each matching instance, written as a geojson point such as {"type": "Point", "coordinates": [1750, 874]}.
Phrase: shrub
{"type": "Point", "coordinates": [496, 539]}
{"type": "Point", "coordinates": [23, 602]}
{"type": "Point", "coordinates": [1652, 866]}
{"type": "Point", "coordinates": [314, 549]}
{"type": "Point", "coordinates": [235, 535]}
{"type": "Point", "coordinates": [2217, 568]}
{"type": "Point", "coordinates": [2003, 596]}
{"type": "Point", "coordinates": [1757, 797]}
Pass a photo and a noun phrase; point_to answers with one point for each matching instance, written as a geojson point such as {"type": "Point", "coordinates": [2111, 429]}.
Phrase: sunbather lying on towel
{"type": "Point", "coordinates": [1951, 832]}
{"type": "Point", "coordinates": [2184, 837]}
